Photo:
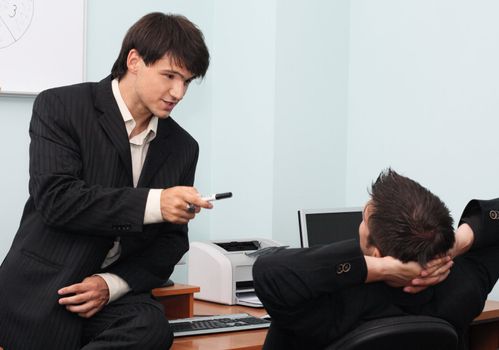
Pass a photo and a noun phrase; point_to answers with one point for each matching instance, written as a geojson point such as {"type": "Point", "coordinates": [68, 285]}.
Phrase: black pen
{"type": "Point", "coordinates": [217, 196]}
{"type": "Point", "coordinates": [191, 208]}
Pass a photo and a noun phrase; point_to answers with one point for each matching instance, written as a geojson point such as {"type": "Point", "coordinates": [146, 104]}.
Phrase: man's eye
{"type": "Point", "coordinates": [170, 76]}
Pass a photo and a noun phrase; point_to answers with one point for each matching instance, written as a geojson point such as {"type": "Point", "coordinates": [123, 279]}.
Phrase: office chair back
{"type": "Point", "coordinates": [402, 332]}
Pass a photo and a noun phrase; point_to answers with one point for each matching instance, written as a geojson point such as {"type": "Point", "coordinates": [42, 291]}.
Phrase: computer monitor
{"type": "Point", "coordinates": [324, 226]}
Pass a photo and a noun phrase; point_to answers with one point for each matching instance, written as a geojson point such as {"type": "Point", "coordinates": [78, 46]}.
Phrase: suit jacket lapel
{"type": "Point", "coordinates": [111, 121]}
{"type": "Point", "coordinates": [159, 150]}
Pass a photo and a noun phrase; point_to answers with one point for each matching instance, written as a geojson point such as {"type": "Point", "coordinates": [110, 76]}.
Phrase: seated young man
{"type": "Point", "coordinates": [316, 295]}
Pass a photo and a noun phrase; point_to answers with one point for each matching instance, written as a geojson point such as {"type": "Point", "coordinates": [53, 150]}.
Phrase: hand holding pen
{"type": "Point", "coordinates": [180, 204]}
{"type": "Point", "coordinates": [212, 197]}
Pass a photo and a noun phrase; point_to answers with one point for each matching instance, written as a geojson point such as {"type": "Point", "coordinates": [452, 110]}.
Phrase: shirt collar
{"type": "Point", "coordinates": [150, 133]}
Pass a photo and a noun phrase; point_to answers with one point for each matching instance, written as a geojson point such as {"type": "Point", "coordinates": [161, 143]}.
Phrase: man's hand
{"type": "Point", "coordinates": [392, 271]}
{"type": "Point", "coordinates": [438, 269]}
{"type": "Point", "coordinates": [88, 298]}
{"type": "Point", "coordinates": [175, 202]}
{"type": "Point", "coordinates": [411, 275]}
{"type": "Point", "coordinates": [433, 273]}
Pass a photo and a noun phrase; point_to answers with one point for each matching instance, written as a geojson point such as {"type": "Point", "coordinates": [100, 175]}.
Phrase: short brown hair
{"type": "Point", "coordinates": [407, 221]}
{"type": "Point", "coordinates": [157, 34]}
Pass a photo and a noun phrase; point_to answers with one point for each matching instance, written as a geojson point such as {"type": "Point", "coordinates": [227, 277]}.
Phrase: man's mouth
{"type": "Point", "coordinates": [169, 105]}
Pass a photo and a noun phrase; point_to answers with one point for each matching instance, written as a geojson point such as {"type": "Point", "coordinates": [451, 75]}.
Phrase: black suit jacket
{"type": "Point", "coordinates": [316, 295]}
{"type": "Point", "coordinates": [81, 198]}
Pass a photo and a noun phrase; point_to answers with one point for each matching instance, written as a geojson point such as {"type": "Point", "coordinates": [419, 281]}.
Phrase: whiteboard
{"type": "Point", "coordinates": [42, 44]}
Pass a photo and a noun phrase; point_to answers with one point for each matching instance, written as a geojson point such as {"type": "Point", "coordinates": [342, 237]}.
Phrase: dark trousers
{"type": "Point", "coordinates": [135, 321]}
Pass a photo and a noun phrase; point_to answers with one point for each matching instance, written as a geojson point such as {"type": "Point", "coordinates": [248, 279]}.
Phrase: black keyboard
{"type": "Point", "coordinates": [216, 324]}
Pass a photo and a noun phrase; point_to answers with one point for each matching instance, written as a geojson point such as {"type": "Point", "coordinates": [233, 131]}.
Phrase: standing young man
{"type": "Point", "coordinates": [111, 177]}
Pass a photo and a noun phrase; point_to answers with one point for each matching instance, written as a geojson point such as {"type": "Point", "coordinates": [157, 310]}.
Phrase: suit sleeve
{"type": "Point", "coordinates": [150, 266]}
{"type": "Point", "coordinates": [303, 289]}
{"type": "Point", "coordinates": [294, 276]}
{"type": "Point", "coordinates": [481, 259]}
{"type": "Point", "coordinates": [60, 195]}
{"type": "Point", "coordinates": [483, 217]}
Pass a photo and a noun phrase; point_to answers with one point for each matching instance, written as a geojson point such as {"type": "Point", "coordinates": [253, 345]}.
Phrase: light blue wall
{"type": "Point", "coordinates": [424, 97]}
{"type": "Point", "coordinates": [279, 120]}
{"type": "Point", "coordinates": [243, 117]}
{"type": "Point", "coordinates": [15, 113]}
{"type": "Point", "coordinates": [306, 101]}
{"type": "Point", "coordinates": [310, 126]}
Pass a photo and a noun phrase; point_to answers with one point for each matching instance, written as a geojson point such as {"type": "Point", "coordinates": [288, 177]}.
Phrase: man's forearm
{"type": "Point", "coordinates": [464, 240]}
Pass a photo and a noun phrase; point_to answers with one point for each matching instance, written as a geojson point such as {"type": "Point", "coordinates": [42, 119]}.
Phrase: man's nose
{"type": "Point", "coordinates": [177, 91]}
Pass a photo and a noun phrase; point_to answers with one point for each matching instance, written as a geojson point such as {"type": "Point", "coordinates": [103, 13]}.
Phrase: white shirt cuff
{"type": "Point", "coordinates": [153, 207]}
{"type": "Point", "coordinates": [117, 285]}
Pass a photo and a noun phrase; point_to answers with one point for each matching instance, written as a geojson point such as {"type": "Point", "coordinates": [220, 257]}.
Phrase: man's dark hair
{"type": "Point", "coordinates": [407, 221]}
{"type": "Point", "coordinates": [157, 34]}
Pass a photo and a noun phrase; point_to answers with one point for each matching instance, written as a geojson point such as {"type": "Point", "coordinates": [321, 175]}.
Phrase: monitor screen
{"type": "Point", "coordinates": [324, 226]}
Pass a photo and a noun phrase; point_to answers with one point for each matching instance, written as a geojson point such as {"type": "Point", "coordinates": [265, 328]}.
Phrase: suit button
{"type": "Point", "coordinates": [494, 214]}
{"type": "Point", "coordinates": [342, 268]}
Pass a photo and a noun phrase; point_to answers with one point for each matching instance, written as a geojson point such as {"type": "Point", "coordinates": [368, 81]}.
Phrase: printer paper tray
{"type": "Point", "coordinates": [242, 303]}
{"type": "Point", "coordinates": [248, 299]}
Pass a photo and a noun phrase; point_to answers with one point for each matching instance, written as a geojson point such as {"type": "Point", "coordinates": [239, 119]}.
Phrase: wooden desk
{"type": "Point", "coordinates": [178, 300]}
{"type": "Point", "coordinates": [484, 331]}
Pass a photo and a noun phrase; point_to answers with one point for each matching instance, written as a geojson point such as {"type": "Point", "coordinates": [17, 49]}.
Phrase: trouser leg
{"type": "Point", "coordinates": [132, 322]}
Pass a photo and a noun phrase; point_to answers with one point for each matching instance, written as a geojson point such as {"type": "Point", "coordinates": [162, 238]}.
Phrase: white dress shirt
{"type": "Point", "coordinates": [139, 145]}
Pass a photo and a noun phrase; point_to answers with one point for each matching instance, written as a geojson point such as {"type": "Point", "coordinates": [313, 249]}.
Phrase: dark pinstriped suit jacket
{"type": "Point", "coordinates": [81, 198]}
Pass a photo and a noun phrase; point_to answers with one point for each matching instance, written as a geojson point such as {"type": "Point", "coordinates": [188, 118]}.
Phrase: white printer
{"type": "Point", "coordinates": [223, 269]}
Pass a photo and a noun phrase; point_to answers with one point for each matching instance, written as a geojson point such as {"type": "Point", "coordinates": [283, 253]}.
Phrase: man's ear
{"type": "Point", "coordinates": [133, 61]}
{"type": "Point", "coordinates": [376, 253]}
